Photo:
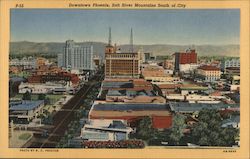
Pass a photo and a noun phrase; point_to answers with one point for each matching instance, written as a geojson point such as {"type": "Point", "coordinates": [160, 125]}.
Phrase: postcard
{"type": "Point", "coordinates": [124, 79]}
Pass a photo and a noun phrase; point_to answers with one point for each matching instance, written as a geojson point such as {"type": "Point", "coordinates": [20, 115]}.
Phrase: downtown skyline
{"type": "Point", "coordinates": [176, 27]}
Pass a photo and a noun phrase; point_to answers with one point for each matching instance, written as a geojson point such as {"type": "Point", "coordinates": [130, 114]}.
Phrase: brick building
{"type": "Point", "coordinates": [185, 61]}
{"type": "Point", "coordinates": [160, 114]}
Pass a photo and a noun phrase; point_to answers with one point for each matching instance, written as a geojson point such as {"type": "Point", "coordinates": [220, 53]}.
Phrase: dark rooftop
{"type": "Point", "coordinates": [27, 105]}
{"type": "Point", "coordinates": [127, 84]}
{"type": "Point", "coordinates": [132, 107]}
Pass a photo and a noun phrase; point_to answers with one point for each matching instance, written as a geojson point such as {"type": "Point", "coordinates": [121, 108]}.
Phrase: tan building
{"type": "Point", "coordinates": [156, 75]}
{"type": "Point", "coordinates": [209, 73]}
{"type": "Point", "coordinates": [40, 61]}
{"type": "Point", "coordinates": [122, 65]}
{"type": "Point", "coordinates": [168, 64]}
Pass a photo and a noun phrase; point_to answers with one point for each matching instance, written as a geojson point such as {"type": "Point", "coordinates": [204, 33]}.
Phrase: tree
{"type": "Point", "coordinates": [47, 100]}
{"type": "Point", "coordinates": [27, 96]}
{"type": "Point", "coordinates": [208, 131]}
{"type": "Point", "coordinates": [145, 129]}
{"type": "Point", "coordinates": [41, 96]}
{"type": "Point", "coordinates": [176, 132]}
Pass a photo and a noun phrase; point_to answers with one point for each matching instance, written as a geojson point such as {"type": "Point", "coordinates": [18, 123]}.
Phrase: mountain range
{"type": "Point", "coordinates": [53, 48]}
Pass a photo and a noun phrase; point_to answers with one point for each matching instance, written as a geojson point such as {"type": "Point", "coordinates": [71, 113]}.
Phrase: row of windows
{"type": "Point", "coordinates": [121, 56]}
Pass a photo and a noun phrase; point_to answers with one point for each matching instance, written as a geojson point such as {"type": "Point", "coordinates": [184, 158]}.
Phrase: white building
{"type": "Point", "coordinates": [105, 130]}
{"type": "Point", "coordinates": [235, 62]}
{"type": "Point", "coordinates": [26, 62]}
{"type": "Point", "coordinates": [43, 88]}
{"type": "Point", "coordinates": [195, 98]}
{"type": "Point", "coordinates": [76, 56]}
{"type": "Point", "coordinates": [187, 68]}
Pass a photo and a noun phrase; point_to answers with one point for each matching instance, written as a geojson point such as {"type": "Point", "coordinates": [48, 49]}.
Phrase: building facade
{"type": "Point", "coordinates": [208, 73]}
{"type": "Point", "coordinates": [121, 65]}
{"type": "Point", "coordinates": [76, 56]}
{"type": "Point", "coordinates": [230, 63]}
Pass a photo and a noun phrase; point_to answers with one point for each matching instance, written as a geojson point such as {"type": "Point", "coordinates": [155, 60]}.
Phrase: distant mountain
{"type": "Point", "coordinates": [52, 48]}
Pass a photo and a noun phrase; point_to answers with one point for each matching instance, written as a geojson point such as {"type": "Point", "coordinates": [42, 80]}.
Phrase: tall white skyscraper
{"type": "Point", "coordinates": [76, 56]}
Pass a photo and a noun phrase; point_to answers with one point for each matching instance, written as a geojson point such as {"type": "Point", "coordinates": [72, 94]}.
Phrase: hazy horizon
{"type": "Point", "coordinates": [167, 27]}
{"type": "Point", "coordinates": [119, 44]}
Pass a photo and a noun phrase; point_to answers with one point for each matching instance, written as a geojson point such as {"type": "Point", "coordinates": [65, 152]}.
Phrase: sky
{"type": "Point", "coordinates": [180, 27]}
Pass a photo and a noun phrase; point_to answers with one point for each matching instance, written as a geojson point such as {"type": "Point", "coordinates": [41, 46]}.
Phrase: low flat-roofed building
{"type": "Point", "coordinates": [191, 89]}
{"type": "Point", "coordinates": [24, 112]}
{"type": "Point", "coordinates": [42, 88]}
{"type": "Point", "coordinates": [105, 130]}
{"type": "Point", "coordinates": [160, 113]}
{"type": "Point", "coordinates": [157, 75]}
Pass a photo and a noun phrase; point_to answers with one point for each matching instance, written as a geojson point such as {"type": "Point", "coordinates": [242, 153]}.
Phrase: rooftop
{"type": "Point", "coordinates": [233, 68]}
{"type": "Point", "coordinates": [27, 105]}
{"type": "Point", "coordinates": [209, 68]}
{"type": "Point", "coordinates": [192, 87]}
{"type": "Point", "coordinates": [169, 86]}
{"type": "Point", "coordinates": [129, 107]}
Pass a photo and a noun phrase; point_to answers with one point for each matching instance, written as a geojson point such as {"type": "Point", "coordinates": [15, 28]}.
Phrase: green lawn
{"type": "Point", "coordinates": [24, 136]}
{"type": "Point", "coordinates": [54, 98]}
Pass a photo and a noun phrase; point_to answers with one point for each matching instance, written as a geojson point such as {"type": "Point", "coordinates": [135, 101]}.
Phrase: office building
{"type": "Point", "coordinates": [76, 56]}
{"type": "Point", "coordinates": [121, 65]}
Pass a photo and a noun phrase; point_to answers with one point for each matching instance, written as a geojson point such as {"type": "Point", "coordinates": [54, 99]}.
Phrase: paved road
{"type": "Point", "coordinates": [63, 117]}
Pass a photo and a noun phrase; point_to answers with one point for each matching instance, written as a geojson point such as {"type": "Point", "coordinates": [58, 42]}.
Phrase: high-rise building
{"type": "Point", "coordinates": [76, 56]}
{"type": "Point", "coordinates": [186, 61]}
{"type": "Point", "coordinates": [121, 65]}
